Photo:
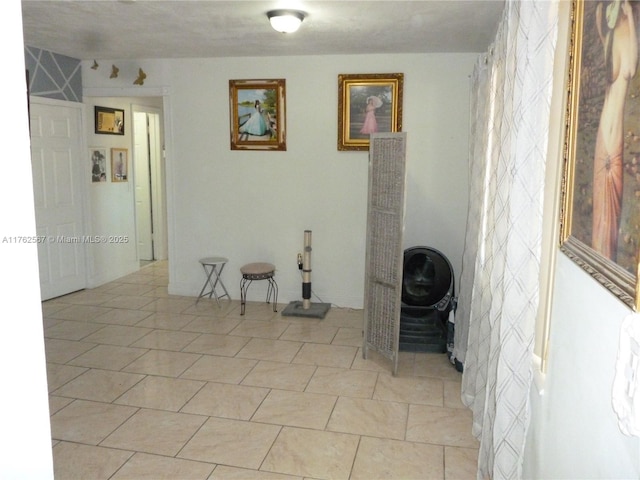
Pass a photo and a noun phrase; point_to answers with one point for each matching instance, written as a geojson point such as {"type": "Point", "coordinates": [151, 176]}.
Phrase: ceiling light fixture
{"type": "Point", "coordinates": [286, 21]}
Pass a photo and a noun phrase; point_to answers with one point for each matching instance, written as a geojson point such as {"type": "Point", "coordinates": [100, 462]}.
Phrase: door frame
{"type": "Point", "coordinates": [158, 185]}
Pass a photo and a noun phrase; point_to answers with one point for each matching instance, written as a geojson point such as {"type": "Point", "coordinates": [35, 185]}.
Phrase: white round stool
{"type": "Point", "coordinates": [213, 267]}
{"type": "Point", "coordinates": [258, 271]}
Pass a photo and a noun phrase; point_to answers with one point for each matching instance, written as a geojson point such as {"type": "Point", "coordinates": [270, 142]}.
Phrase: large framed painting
{"type": "Point", "coordinates": [368, 103]}
{"type": "Point", "coordinates": [600, 221]}
{"type": "Point", "coordinates": [257, 114]}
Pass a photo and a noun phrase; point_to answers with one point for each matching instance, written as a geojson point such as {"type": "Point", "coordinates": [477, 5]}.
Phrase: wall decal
{"type": "Point", "coordinates": [141, 77]}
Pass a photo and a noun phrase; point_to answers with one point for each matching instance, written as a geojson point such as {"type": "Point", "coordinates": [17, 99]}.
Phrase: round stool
{"type": "Point", "coordinates": [213, 267]}
{"type": "Point", "coordinates": [258, 271]}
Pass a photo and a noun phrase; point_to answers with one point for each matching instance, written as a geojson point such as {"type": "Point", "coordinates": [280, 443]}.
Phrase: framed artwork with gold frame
{"type": "Point", "coordinates": [257, 114]}
{"type": "Point", "coordinates": [119, 164]}
{"type": "Point", "coordinates": [600, 218]}
{"type": "Point", "coordinates": [368, 103]}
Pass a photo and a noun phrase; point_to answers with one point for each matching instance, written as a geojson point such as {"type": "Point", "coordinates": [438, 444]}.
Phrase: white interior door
{"type": "Point", "coordinates": [142, 179]}
{"type": "Point", "coordinates": [57, 183]}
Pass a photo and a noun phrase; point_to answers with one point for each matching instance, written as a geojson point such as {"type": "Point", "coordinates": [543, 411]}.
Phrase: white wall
{"type": "Point", "coordinates": [254, 206]}
{"type": "Point", "coordinates": [25, 441]}
{"type": "Point", "coordinates": [573, 432]}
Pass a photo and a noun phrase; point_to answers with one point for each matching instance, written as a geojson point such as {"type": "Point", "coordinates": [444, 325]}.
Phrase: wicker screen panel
{"type": "Point", "coordinates": [384, 248]}
{"type": "Point", "coordinates": [384, 252]}
{"type": "Point", "coordinates": [381, 331]}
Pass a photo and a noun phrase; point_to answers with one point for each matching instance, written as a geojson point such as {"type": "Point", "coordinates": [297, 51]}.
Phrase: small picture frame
{"type": "Point", "coordinates": [98, 159]}
{"type": "Point", "coordinates": [119, 165]}
{"type": "Point", "coordinates": [109, 121]}
{"type": "Point", "coordinates": [257, 114]}
{"type": "Point", "coordinates": [368, 103]}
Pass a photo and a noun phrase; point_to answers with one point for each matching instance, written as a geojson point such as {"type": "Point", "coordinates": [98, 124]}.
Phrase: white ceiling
{"type": "Point", "coordinates": [146, 29]}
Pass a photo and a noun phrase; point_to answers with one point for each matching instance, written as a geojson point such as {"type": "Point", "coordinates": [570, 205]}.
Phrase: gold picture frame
{"type": "Point", "coordinates": [257, 114]}
{"type": "Point", "coordinates": [368, 103]}
{"type": "Point", "coordinates": [119, 165]}
{"type": "Point", "coordinates": [600, 218]}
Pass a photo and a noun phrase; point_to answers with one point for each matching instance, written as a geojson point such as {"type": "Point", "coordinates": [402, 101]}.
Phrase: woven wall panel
{"type": "Point", "coordinates": [381, 331]}
{"type": "Point", "coordinates": [384, 253]}
{"type": "Point", "coordinates": [385, 246]}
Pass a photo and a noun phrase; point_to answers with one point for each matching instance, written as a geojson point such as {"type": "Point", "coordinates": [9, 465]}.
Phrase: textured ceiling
{"type": "Point", "coordinates": [139, 29]}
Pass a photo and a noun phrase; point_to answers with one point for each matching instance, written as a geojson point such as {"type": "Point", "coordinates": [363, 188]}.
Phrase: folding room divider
{"type": "Point", "coordinates": [384, 248]}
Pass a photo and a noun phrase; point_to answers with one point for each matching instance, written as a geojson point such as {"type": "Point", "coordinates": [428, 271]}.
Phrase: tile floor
{"type": "Point", "coordinates": [144, 385]}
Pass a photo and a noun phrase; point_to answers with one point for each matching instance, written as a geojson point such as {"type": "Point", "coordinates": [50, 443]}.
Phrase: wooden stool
{"type": "Point", "coordinates": [258, 271]}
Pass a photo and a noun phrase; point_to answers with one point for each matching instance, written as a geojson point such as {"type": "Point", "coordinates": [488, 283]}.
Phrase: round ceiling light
{"type": "Point", "coordinates": [286, 21]}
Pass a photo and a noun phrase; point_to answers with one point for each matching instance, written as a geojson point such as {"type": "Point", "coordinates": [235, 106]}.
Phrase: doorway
{"type": "Point", "coordinates": [149, 192]}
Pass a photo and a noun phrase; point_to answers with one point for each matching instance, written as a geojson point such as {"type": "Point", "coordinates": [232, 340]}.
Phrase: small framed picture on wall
{"type": "Point", "coordinates": [109, 121]}
{"type": "Point", "coordinates": [98, 164]}
{"type": "Point", "coordinates": [119, 165]}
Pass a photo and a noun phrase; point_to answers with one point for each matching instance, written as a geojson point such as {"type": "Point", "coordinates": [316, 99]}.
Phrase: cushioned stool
{"type": "Point", "coordinates": [213, 269]}
{"type": "Point", "coordinates": [258, 271]}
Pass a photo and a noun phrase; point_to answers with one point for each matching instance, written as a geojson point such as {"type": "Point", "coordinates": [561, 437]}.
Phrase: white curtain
{"type": "Point", "coordinates": [498, 294]}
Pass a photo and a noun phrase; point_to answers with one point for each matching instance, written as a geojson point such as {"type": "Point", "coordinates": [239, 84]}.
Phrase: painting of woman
{"type": "Point", "coordinates": [370, 123]}
{"type": "Point", "coordinates": [256, 125]}
{"type": "Point", "coordinates": [616, 28]}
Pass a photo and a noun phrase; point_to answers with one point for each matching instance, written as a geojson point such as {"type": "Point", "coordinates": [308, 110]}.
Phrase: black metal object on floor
{"type": "Point", "coordinates": [428, 297]}
{"type": "Point", "coordinates": [315, 310]}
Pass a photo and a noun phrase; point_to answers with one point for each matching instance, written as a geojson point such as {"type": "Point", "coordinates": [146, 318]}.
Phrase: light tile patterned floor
{"type": "Point", "coordinates": [144, 385]}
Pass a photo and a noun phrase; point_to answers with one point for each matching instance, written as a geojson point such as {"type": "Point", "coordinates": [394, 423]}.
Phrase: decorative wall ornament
{"type": "Point", "coordinates": [95, 65]}
{"type": "Point", "coordinates": [141, 77]}
{"type": "Point", "coordinates": [114, 71]}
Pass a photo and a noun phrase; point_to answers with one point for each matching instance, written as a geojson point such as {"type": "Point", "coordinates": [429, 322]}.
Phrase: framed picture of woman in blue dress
{"type": "Point", "coordinates": [257, 109]}
{"type": "Point", "coordinates": [368, 103]}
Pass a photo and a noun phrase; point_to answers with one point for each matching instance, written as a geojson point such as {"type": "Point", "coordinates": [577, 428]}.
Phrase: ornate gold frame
{"type": "Point", "coordinates": [352, 93]}
{"type": "Point", "coordinates": [618, 276]}
{"type": "Point", "coordinates": [271, 94]}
